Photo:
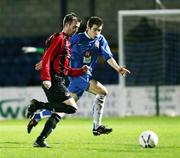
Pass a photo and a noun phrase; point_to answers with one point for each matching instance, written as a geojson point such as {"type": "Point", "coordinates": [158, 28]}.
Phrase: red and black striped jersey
{"type": "Point", "coordinates": [56, 57]}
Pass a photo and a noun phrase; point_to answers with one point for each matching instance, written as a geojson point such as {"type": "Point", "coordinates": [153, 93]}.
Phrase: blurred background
{"type": "Point", "coordinates": [28, 23]}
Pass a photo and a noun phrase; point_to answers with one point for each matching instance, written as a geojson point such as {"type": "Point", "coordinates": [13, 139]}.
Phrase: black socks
{"type": "Point", "coordinates": [49, 126]}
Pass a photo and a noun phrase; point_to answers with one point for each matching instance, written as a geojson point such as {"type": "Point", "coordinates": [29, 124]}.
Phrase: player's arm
{"type": "Point", "coordinates": [38, 65]}
{"type": "Point", "coordinates": [121, 69]}
{"type": "Point", "coordinates": [46, 60]}
{"type": "Point", "coordinates": [78, 71]}
{"type": "Point", "coordinates": [107, 55]}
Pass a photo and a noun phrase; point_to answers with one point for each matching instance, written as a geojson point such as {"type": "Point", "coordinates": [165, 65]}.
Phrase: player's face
{"type": "Point", "coordinates": [73, 27]}
{"type": "Point", "coordinates": [94, 31]}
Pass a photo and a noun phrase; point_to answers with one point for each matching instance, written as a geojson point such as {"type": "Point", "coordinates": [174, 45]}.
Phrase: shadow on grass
{"type": "Point", "coordinates": [13, 144]}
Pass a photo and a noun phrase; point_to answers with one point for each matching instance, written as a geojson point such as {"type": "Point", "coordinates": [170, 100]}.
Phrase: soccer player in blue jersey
{"type": "Point", "coordinates": [86, 47]}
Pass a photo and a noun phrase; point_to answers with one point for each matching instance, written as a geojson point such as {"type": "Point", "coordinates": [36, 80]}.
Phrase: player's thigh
{"type": "Point", "coordinates": [75, 96]}
{"type": "Point", "coordinates": [97, 88]}
{"type": "Point", "coordinates": [58, 92]}
{"type": "Point", "coordinates": [77, 86]}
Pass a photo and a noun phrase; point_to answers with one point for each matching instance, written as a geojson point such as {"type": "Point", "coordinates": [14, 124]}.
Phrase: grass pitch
{"type": "Point", "coordinates": [73, 139]}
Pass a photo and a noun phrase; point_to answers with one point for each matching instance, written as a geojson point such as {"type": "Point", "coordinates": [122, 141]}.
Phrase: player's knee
{"type": "Point", "coordinates": [71, 109]}
{"type": "Point", "coordinates": [104, 92]}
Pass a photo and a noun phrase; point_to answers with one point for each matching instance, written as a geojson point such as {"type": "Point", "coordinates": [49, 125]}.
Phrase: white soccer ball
{"type": "Point", "coordinates": [148, 139]}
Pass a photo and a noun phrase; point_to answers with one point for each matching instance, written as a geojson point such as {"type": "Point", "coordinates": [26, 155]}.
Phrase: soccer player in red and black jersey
{"type": "Point", "coordinates": [55, 67]}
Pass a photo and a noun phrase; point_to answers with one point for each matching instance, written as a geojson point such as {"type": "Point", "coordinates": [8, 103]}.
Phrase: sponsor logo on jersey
{"type": "Point", "coordinates": [87, 57]}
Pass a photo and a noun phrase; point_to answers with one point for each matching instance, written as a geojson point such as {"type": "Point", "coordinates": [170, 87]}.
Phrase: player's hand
{"type": "Point", "coordinates": [123, 71]}
{"type": "Point", "coordinates": [85, 68]}
{"type": "Point", "coordinates": [38, 66]}
{"type": "Point", "coordinates": [47, 84]}
{"type": "Point", "coordinates": [29, 49]}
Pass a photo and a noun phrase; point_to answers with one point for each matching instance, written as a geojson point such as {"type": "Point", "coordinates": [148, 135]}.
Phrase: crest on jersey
{"type": "Point", "coordinates": [97, 44]}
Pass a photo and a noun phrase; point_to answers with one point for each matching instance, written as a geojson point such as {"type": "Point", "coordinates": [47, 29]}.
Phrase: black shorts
{"type": "Point", "coordinates": [58, 92]}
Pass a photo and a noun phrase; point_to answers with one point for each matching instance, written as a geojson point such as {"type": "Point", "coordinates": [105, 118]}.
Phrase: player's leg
{"type": "Point", "coordinates": [69, 106]}
{"type": "Point", "coordinates": [80, 84]}
{"type": "Point", "coordinates": [59, 98]}
{"type": "Point", "coordinates": [38, 116]}
{"type": "Point", "coordinates": [100, 91]}
{"type": "Point", "coordinates": [45, 113]}
{"type": "Point", "coordinates": [77, 87]}
{"type": "Point", "coordinates": [34, 106]}
{"type": "Point", "coordinates": [50, 125]}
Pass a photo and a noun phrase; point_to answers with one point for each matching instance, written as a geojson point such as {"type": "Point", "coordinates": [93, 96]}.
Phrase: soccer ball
{"type": "Point", "coordinates": [148, 139]}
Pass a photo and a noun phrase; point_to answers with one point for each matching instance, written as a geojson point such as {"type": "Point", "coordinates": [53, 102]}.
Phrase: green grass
{"type": "Point", "coordinates": [73, 139]}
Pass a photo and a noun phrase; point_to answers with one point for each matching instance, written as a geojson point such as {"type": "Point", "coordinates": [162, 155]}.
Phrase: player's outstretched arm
{"type": "Point", "coordinates": [123, 71]}
{"type": "Point", "coordinates": [120, 69]}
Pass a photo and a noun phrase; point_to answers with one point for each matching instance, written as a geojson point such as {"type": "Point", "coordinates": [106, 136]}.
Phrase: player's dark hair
{"type": "Point", "coordinates": [94, 20]}
{"type": "Point", "coordinates": [70, 17]}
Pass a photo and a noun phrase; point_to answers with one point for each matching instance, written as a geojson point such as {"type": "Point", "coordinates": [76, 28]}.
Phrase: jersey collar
{"type": "Point", "coordinates": [65, 35]}
{"type": "Point", "coordinates": [87, 35]}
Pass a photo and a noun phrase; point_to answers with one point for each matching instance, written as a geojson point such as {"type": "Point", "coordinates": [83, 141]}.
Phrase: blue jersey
{"type": "Point", "coordinates": [85, 51]}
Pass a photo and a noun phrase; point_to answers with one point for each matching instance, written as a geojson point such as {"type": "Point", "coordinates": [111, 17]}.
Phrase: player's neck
{"type": "Point", "coordinates": [86, 33]}
{"type": "Point", "coordinates": [65, 32]}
